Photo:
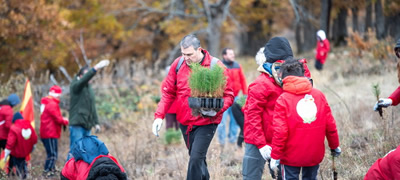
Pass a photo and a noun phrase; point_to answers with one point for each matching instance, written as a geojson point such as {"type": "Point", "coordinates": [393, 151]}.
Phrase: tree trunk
{"type": "Point", "coordinates": [298, 38]}
{"type": "Point", "coordinates": [340, 28]}
{"type": "Point", "coordinates": [368, 18]}
{"type": "Point", "coordinates": [309, 34]}
{"type": "Point", "coordinates": [325, 15]}
{"type": "Point", "coordinates": [380, 20]}
{"type": "Point", "coordinates": [354, 11]}
{"type": "Point", "coordinates": [392, 24]}
{"type": "Point", "coordinates": [252, 41]}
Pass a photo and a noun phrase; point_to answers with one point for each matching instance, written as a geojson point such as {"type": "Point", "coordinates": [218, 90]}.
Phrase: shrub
{"type": "Point", "coordinates": [207, 82]}
{"type": "Point", "coordinates": [241, 100]}
{"type": "Point", "coordinates": [172, 136]}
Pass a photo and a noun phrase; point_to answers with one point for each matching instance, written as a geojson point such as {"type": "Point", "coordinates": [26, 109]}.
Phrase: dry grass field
{"type": "Point", "coordinates": [347, 83]}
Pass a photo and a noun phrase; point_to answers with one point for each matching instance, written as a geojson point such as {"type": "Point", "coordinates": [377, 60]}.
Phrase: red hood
{"type": "Point", "coordinates": [296, 85]}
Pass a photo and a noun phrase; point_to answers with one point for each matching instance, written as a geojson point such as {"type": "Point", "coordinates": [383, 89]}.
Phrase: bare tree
{"type": "Point", "coordinates": [380, 20]}
{"type": "Point", "coordinates": [326, 6]}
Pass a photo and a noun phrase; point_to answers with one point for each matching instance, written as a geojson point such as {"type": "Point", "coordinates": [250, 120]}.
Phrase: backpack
{"type": "Point", "coordinates": [88, 148]}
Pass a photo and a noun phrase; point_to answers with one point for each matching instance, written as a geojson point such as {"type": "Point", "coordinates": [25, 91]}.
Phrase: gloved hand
{"type": "Point", "coordinates": [383, 102]}
{"type": "Point", "coordinates": [157, 126]}
{"type": "Point", "coordinates": [274, 164]}
{"type": "Point", "coordinates": [208, 112]}
{"type": "Point", "coordinates": [336, 152]}
{"type": "Point", "coordinates": [102, 64]}
{"type": "Point", "coordinates": [6, 153]}
{"type": "Point", "coordinates": [97, 128]}
{"type": "Point", "coordinates": [265, 152]}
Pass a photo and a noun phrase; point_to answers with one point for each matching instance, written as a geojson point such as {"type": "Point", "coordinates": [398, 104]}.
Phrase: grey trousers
{"type": "Point", "coordinates": [253, 164]}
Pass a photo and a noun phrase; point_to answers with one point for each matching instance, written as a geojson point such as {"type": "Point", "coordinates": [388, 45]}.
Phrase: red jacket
{"type": "Point", "coordinates": [173, 108]}
{"type": "Point", "coordinates": [302, 119]}
{"type": "Point", "coordinates": [80, 169]}
{"type": "Point", "coordinates": [259, 109]}
{"type": "Point", "coordinates": [236, 75]}
{"type": "Point", "coordinates": [6, 115]}
{"type": "Point", "coordinates": [51, 119]}
{"type": "Point", "coordinates": [395, 96]}
{"type": "Point", "coordinates": [322, 50]}
{"type": "Point", "coordinates": [21, 138]}
{"type": "Point", "coordinates": [176, 87]}
{"type": "Point", "coordinates": [385, 168]}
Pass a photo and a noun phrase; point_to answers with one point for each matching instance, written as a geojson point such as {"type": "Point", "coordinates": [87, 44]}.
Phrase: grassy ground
{"type": "Point", "coordinates": [347, 83]}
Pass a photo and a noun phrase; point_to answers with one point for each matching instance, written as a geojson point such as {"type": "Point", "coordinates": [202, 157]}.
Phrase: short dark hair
{"type": "Point", "coordinates": [292, 68]}
{"type": "Point", "coordinates": [83, 69]}
{"type": "Point", "coordinates": [190, 40]}
{"type": "Point", "coordinates": [225, 49]}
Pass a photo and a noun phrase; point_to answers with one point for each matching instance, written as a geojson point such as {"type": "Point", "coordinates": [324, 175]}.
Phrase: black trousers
{"type": "Point", "coordinates": [239, 118]}
{"type": "Point", "coordinates": [20, 164]}
{"type": "Point", "coordinates": [318, 65]}
{"type": "Point", "coordinates": [197, 141]}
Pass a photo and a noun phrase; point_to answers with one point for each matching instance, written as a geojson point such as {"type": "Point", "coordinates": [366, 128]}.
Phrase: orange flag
{"type": "Point", "coordinates": [27, 107]}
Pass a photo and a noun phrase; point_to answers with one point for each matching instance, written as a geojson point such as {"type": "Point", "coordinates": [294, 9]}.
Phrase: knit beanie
{"type": "Point", "coordinates": [17, 116]}
{"type": "Point", "coordinates": [278, 48]}
{"type": "Point", "coordinates": [13, 99]}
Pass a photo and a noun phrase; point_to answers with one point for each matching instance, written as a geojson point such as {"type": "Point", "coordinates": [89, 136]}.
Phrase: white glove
{"type": "Point", "coordinates": [102, 64]}
{"type": "Point", "coordinates": [336, 152]}
{"type": "Point", "coordinates": [274, 164]}
{"type": "Point", "coordinates": [210, 113]}
{"type": "Point", "coordinates": [157, 126]}
{"type": "Point", "coordinates": [266, 152]}
{"type": "Point", "coordinates": [383, 102]}
{"type": "Point", "coordinates": [6, 153]}
{"type": "Point", "coordinates": [97, 128]}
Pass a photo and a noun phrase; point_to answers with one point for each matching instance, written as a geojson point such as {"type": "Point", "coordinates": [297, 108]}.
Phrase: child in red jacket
{"type": "Point", "coordinates": [386, 168]}
{"type": "Point", "coordinates": [20, 143]}
{"type": "Point", "coordinates": [51, 121]}
{"type": "Point", "coordinates": [322, 49]}
{"type": "Point", "coordinates": [302, 118]}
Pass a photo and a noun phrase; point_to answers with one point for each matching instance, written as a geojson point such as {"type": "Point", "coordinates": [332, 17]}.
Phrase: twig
{"type": "Point", "coordinates": [341, 100]}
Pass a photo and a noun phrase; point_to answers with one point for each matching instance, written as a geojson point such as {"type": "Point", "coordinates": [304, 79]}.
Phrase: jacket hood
{"type": "Point", "coordinates": [321, 34]}
{"type": "Point", "coordinates": [296, 85]}
{"type": "Point", "coordinates": [278, 48]}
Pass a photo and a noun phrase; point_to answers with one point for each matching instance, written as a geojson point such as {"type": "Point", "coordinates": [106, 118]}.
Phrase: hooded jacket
{"type": "Point", "coordinates": [322, 48]}
{"type": "Point", "coordinates": [386, 168]}
{"type": "Point", "coordinates": [176, 87]}
{"type": "Point", "coordinates": [21, 138]}
{"type": "Point", "coordinates": [51, 119]}
{"type": "Point", "coordinates": [236, 75]}
{"type": "Point", "coordinates": [102, 167]}
{"type": "Point", "coordinates": [6, 115]}
{"type": "Point", "coordinates": [302, 118]}
{"type": "Point", "coordinates": [82, 111]}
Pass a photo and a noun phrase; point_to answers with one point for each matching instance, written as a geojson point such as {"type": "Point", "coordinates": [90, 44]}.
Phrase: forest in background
{"type": "Point", "coordinates": [58, 37]}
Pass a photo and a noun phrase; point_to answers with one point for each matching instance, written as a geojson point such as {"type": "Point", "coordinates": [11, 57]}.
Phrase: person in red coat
{"type": "Point", "coordinates": [238, 82]}
{"type": "Point", "coordinates": [302, 119]}
{"type": "Point", "coordinates": [394, 98]}
{"type": "Point", "coordinates": [198, 131]}
{"type": "Point", "coordinates": [386, 168]}
{"type": "Point", "coordinates": [20, 143]}
{"type": "Point", "coordinates": [322, 50]}
{"type": "Point", "coordinates": [51, 121]}
{"type": "Point", "coordinates": [6, 116]}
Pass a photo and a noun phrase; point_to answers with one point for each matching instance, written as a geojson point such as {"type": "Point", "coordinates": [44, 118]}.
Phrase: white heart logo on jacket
{"type": "Point", "coordinates": [26, 133]}
{"type": "Point", "coordinates": [2, 122]}
{"type": "Point", "coordinates": [307, 109]}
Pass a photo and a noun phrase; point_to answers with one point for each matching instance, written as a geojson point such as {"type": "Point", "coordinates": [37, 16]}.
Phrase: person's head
{"type": "Point", "coordinates": [321, 35]}
{"type": "Point", "coordinates": [397, 48]}
{"type": "Point", "coordinates": [190, 49]}
{"type": "Point", "coordinates": [17, 116]}
{"type": "Point", "coordinates": [83, 70]}
{"type": "Point", "coordinates": [228, 54]}
{"type": "Point", "coordinates": [292, 68]}
{"type": "Point", "coordinates": [13, 99]}
{"type": "Point", "coordinates": [277, 48]}
{"type": "Point", "coordinates": [55, 91]}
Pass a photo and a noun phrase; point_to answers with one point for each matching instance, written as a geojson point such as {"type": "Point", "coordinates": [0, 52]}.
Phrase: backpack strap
{"type": "Point", "coordinates": [213, 62]}
{"type": "Point", "coordinates": [179, 65]}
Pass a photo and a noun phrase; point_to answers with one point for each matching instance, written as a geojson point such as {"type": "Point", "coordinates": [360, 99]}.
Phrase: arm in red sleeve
{"type": "Point", "coordinates": [228, 92]}
{"type": "Point", "coordinates": [395, 96]}
{"type": "Point", "coordinates": [255, 106]}
{"type": "Point", "coordinates": [11, 140]}
{"type": "Point", "coordinates": [280, 128]}
{"type": "Point", "coordinates": [55, 112]}
{"type": "Point", "coordinates": [8, 119]}
{"type": "Point", "coordinates": [331, 130]}
{"type": "Point", "coordinates": [243, 82]}
{"type": "Point", "coordinates": [168, 91]}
